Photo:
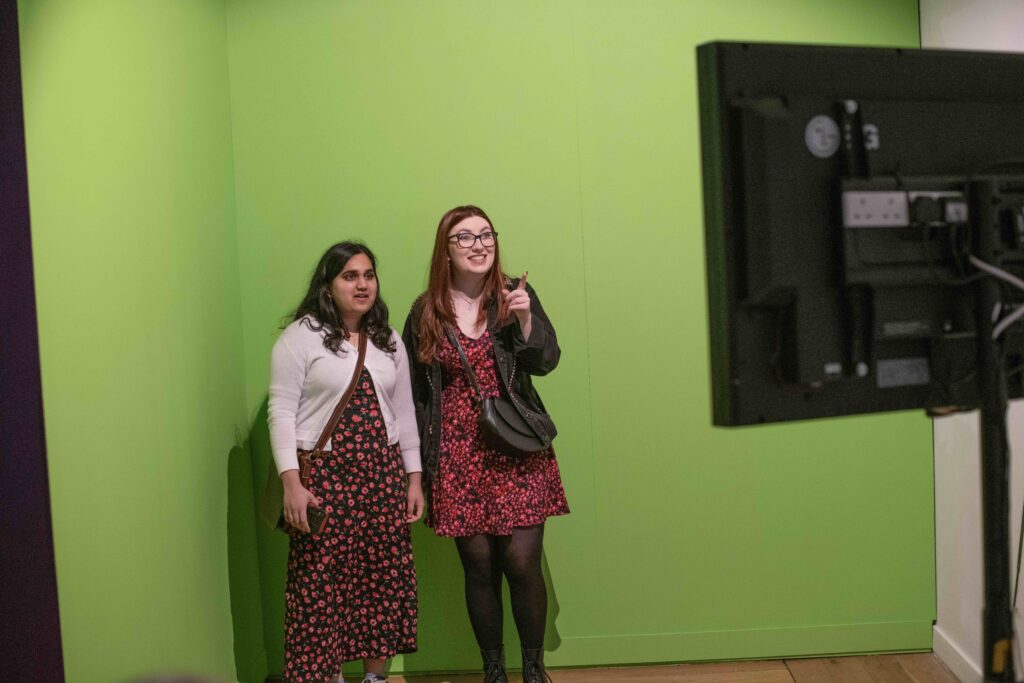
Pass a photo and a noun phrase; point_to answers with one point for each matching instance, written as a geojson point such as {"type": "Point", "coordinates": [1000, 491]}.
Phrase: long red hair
{"type": "Point", "coordinates": [437, 301]}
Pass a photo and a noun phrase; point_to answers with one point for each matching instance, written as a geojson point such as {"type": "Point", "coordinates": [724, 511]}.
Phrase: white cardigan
{"type": "Point", "coordinates": [307, 380]}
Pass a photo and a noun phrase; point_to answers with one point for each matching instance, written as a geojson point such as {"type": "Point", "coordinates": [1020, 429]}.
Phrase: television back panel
{"type": "Point", "coordinates": [792, 286]}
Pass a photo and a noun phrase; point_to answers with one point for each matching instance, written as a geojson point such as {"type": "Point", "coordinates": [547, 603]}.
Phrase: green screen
{"type": "Point", "coordinates": [132, 197]}
{"type": "Point", "coordinates": [189, 162]}
{"type": "Point", "coordinates": [574, 124]}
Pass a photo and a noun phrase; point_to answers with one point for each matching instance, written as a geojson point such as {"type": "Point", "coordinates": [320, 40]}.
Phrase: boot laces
{"type": "Point", "coordinates": [533, 672]}
{"type": "Point", "coordinates": [494, 672]}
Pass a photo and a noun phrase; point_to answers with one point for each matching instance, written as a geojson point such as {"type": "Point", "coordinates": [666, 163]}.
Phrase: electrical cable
{"type": "Point", "coordinates": [962, 279]}
{"type": "Point", "coordinates": [1015, 369]}
{"type": "Point", "coordinates": [1007, 321]}
{"type": "Point", "coordinates": [997, 272]}
{"type": "Point", "coordinates": [996, 331]}
{"type": "Point", "coordinates": [1016, 580]}
{"type": "Point", "coordinates": [1020, 542]}
{"type": "Point", "coordinates": [1018, 660]}
{"type": "Point", "coordinates": [1005, 277]}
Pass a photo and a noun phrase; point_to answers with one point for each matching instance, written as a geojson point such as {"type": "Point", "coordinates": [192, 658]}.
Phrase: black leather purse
{"type": "Point", "coordinates": [501, 424]}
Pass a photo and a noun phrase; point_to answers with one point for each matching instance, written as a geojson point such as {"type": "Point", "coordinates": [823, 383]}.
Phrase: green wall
{"type": "Point", "coordinates": [188, 163]}
{"type": "Point", "coordinates": [574, 123]}
{"type": "Point", "coordinates": [132, 197]}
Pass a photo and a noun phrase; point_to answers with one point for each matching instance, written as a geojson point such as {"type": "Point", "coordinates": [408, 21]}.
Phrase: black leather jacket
{"type": "Point", "coordinates": [517, 360]}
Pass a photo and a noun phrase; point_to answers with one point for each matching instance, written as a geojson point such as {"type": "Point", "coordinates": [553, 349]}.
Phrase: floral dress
{"type": "Point", "coordinates": [478, 490]}
{"type": "Point", "coordinates": [351, 590]}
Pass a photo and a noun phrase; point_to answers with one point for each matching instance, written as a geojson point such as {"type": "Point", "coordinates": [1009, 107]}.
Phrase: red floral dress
{"type": "Point", "coordinates": [351, 590]}
{"type": "Point", "coordinates": [478, 490]}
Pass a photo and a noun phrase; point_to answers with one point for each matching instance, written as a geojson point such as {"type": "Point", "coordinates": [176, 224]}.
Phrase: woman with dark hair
{"type": "Point", "coordinates": [351, 588]}
{"type": "Point", "coordinates": [494, 504]}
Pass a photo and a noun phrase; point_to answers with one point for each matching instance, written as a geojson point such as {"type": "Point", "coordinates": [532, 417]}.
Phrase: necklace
{"type": "Point", "coordinates": [470, 301]}
{"type": "Point", "coordinates": [472, 329]}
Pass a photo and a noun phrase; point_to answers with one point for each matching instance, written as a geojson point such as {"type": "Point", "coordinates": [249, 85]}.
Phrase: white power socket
{"type": "Point", "coordinates": [876, 210]}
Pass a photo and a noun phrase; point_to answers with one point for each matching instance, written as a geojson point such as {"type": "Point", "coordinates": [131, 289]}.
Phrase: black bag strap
{"type": "Point", "coordinates": [345, 398]}
{"type": "Point", "coordinates": [454, 339]}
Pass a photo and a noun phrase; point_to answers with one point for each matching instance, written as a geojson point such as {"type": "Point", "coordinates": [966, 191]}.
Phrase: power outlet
{"type": "Point", "coordinates": [875, 210]}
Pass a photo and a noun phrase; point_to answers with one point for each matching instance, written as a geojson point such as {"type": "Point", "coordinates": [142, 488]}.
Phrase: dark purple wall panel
{"type": "Point", "coordinates": [30, 646]}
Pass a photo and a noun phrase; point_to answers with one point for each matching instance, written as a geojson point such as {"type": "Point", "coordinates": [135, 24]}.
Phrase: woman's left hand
{"type": "Point", "coordinates": [415, 501]}
{"type": "Point", "coordinates": [518, 301]}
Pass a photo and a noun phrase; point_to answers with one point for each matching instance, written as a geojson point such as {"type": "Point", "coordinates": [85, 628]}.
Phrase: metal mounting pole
{"type": "Point", "coordinates": [998, 614]}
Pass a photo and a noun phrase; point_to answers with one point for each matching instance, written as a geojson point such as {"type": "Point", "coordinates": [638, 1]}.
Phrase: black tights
{"type": "Point", "coordinates": [485, 559]}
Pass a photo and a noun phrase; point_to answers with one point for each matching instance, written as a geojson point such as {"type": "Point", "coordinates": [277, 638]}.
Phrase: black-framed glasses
{"type": "Point", "coordinates": [466, 240]}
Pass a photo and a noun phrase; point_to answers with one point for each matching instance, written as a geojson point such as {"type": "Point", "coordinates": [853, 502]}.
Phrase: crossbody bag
{"type": "Point", "coordinates": [316, 516]}
{"type": "Point", "coordinates": [500, 421]}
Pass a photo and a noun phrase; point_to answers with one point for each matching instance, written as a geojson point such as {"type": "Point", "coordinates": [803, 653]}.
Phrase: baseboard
{"type": "Point", "coordinates": [769, 643]}
{"type": "Point", "coordinates": [966, 668]}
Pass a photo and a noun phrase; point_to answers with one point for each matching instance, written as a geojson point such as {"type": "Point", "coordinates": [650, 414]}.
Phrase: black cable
{"type": "Point", "coordinates": [1016, 581]}
{"type": "Point", "coordinates": [1020, 542]}
{"type": "Point", "coordinates": [956, 253]}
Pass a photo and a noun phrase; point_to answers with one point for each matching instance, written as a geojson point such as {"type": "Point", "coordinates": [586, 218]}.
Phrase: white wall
{"type": "Point", "coordinates": [958, 538]}
{"type": "Point", "coordinates": [995, 25]}
{"type": "Point", "coordinates": [958, 546]}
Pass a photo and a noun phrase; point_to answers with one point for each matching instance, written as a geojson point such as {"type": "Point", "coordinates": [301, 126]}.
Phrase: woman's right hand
{"type": "Point", "coordinates": [296, 499]}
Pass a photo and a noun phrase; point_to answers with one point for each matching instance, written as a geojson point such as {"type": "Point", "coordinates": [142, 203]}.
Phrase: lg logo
{"type": "Point", "coordinates": [822, 136]}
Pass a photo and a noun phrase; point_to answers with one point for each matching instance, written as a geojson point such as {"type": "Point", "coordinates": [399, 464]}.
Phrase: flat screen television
{"type": "Point", "coordinates": [845, 193]}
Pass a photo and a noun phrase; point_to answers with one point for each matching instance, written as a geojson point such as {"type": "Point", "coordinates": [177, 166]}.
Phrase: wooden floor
{"type": "Point", "coordinates": [916, 668]}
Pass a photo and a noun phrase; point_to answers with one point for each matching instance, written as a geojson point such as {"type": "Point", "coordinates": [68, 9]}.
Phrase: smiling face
{"type": "Point", "coordinates": [477, 258]}
{"type": "Point", "coordinates": [354, 289]}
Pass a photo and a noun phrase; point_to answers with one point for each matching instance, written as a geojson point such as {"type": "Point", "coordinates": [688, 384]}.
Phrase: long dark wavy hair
{"type": "Point", "coordinates": [321, 313]}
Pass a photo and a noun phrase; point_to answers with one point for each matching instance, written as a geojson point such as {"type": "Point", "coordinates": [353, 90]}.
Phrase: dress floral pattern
{"type": "Point", "coordinates": [478, 490]}
{"type": "Point", "coordinates": [351, 590]}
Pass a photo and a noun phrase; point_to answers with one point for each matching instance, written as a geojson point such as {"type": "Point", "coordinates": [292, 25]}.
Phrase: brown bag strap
{"type": "Point", "coordinates": [343, 403]}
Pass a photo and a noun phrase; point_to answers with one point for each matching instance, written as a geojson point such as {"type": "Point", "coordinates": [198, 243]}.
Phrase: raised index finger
{"type": "Point", "coordinates": [522, 280]}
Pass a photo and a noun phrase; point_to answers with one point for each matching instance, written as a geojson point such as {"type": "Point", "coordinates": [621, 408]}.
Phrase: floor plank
{"type": "Point", "coordinates": [829, 670]}
{"type": "Point", "coordinates": [721, 672]}
{"type": "Point", "coordinates": [903, 668]}
{"type": "Point", "coordinates": [718, 672]}
{"type": "Point", "coordinates": [885, 669]}
{"type": "Point", "coordinates": [925, 667]}
{"type": "Point", "coordinates": [906, 668]}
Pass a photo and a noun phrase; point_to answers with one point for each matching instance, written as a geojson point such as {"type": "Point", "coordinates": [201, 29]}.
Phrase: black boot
{"type": "Point", "coordinates": [533, 666]}
{"type": "Point", "coordinates": [494, 666]}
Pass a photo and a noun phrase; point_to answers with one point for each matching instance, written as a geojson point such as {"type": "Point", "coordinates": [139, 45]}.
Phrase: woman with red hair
{"type": "Point", "coordinates": [477, 334]}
